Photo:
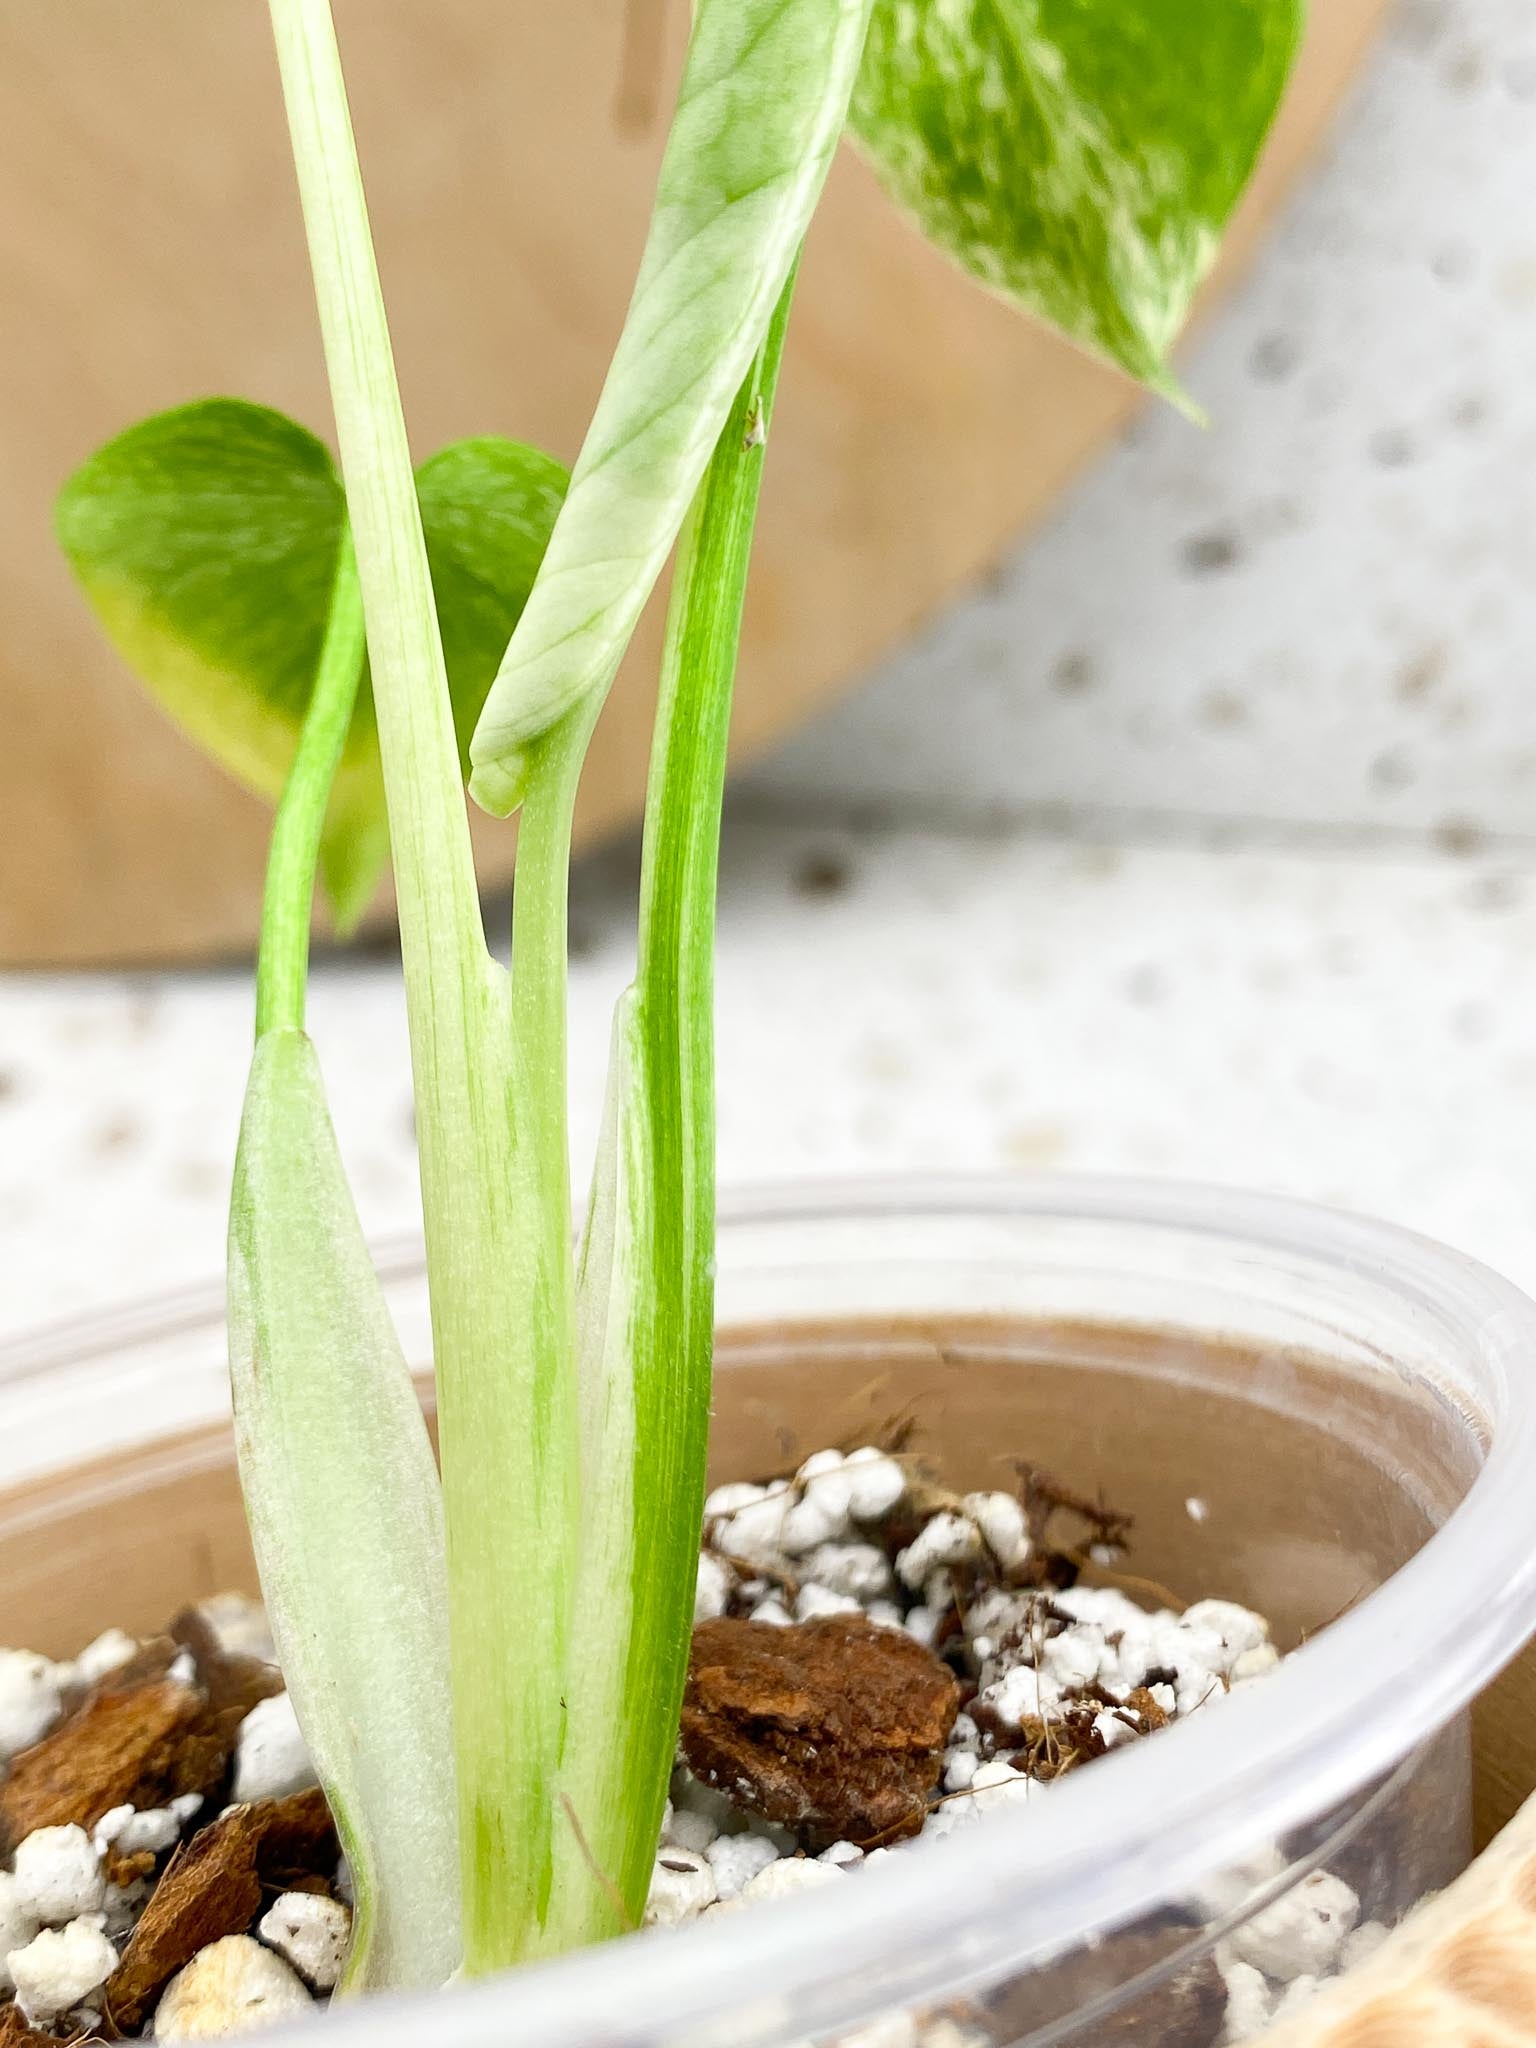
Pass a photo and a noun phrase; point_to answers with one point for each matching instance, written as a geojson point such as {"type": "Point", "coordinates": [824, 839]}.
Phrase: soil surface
{"type": "Point", "coordinates": [875, 1660]}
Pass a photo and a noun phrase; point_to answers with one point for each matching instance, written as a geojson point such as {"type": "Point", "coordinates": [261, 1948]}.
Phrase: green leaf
{"type": "Point", "coordinates": [346, 1518]}
{"type": "Point", "coordinates": [206, 539]}
{"type": "Point", "coordinates": [763, 101]}
{"type": "Point", "coordinates": [1079, 159]}
{"type": "Point", "coordinates": [488, 507]}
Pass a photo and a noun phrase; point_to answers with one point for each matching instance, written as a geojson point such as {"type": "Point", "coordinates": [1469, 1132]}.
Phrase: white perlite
{"type": "Point", "coordinates": [682, 1885]}
{"type": "Point", "coordinates": [822, 1543]}
{"type": "Point", "coordinates": [58, 1875]}
{"type": "Point", "coordinates": [1250, 2001]}
{"type": "Point", "coordinates": [711, 1589]}
{"type": "Point", "coordinates": [813, 1600]}
{"type": "Point", "coordinates": [98, 1660]}
{"type": "Point", "coordinates": [784, 1878]}
{"type": "Point", "coordinates": [689, 1830]}
{"type": "Point", "coordinates": [993, 1786]}
{"type": "Point", "coordinates": [1302, 1933]}
{"type": "Point", "coordinates": [827, 1502]}
{"type": "Point", "coordinates": [311, 1933]}
{"type": "Point", "coordinates": [18, 1924]}
{"type": "Point", "coordinates": [234, 1986]}
{"type": "Point", "coordinates": [859, 1571]}
{"type": "Point", "coordinates": [31, 1699]}
{"type": "Point", "coordinates": [271, 1759]}
{"type": "Point", "coordinates": [737, 1859]}
{"type": "Point", "coordinates": [1000, 1518]}
{"type": "Point", "coordinates": [60, 1968]}
{"type": "Point", "coordinates": [131, 1831]}
{"type": "Point", "coordinates": [944, 1539]}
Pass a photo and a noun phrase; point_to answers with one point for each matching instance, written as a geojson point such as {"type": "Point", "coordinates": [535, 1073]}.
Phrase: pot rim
{"type": "Point", "coordinates": [1278, 1753]}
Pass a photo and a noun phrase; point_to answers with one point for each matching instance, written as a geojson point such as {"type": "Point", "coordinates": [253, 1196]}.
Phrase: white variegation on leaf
{"type": "Point", "coordinates": [1079, 159]}
{"type": "Point", "coordinates": [346, 1519]}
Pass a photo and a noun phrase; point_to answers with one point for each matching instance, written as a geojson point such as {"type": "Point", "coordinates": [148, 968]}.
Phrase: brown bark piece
{"type": "Point", "coordinates": [232, 1682]}
{"type": "Point", "coordinates": [122, 1747]}
{"type": "Point", "coordinates": [232, 1686]}
{"type": "Point", "coordinates": [835, 1727]}
{"type": "Point", "coordinates": [297, 1841]}
{"type": "Point", "coordinates": [214, 1885]}
{"type": "Point", "coordinates": [141, 1738]}
{"type": "Point", "coordinates": [15, 2033]}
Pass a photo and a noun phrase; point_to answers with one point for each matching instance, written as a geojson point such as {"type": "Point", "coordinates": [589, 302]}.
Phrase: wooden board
{"type": "Point", "coordinates": [150, 252]}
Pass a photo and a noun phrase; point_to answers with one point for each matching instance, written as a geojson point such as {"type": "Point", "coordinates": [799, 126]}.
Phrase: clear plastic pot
{"type": "Point", "coordinates": [1330, 1419]}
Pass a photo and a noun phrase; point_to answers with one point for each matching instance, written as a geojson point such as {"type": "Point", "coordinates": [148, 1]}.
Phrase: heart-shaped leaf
{"type": "Point", "coordinates": [1080, 160]}
{"type": "Point", "coordinates": [206, 538]}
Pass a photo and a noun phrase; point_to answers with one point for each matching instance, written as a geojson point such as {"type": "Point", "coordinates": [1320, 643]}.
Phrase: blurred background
{"type": "Point", "coordinates": [1121, 795]}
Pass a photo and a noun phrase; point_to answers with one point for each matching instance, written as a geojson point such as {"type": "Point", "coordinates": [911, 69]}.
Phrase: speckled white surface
{"type": "Point", "coordinates": [1322, 611]}
{"type": "Point", "coordinates": [1356, 1031]}
{"type": "Point", "coordinates": [1317, 623]}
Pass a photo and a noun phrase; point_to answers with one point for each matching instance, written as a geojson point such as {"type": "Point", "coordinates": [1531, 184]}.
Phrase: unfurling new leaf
{"type": "Point", "coordinates": [206, 539]}
{"type": "Point", "coordinates": [1081, 160]}
{"type": "Point", "coordinates": [761, 107]}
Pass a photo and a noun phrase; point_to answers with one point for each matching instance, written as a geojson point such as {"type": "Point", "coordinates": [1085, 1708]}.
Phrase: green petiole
{"type": "Point", "coordinates": [676, 990]}
{"type": "Point", "coordinates": [282, 964]}
{"type": "Point", "coordinates": [647, 1283]}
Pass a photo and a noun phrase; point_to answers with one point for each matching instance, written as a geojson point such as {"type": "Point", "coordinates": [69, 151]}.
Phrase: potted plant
{"type": "Point", "coordinates": [485, 1655]}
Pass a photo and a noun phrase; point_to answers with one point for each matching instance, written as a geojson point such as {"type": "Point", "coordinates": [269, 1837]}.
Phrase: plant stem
{"type": "Point", "coordinates": [649, 1353]}
{"type": "Point", "coordinates": [676, 988]}
{"type": "Point", "coordinates": [681, 858]}
{"type": "Point", "coordinates": [430, 836]}
{"type": "Point", "coordinates": [506, 1402]}
{"type": "Point", "coordinates": [282, 962]}
{"type": "Point", "coordinates": [540, 921]}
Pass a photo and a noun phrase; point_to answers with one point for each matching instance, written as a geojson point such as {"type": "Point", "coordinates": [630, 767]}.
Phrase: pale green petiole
{"type": "Point", "coordinates": [506, 1396]}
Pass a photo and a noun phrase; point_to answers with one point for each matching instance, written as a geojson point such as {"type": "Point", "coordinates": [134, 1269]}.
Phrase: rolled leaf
{"type": "Point", "coordinates": [1080, 160]}
{"type": "Point", "coordinates": [620, 1710]}
{"type": "Point", "coordinates": [346, 1519]}
{"type": "Point", "coordinates": [762, 104]}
